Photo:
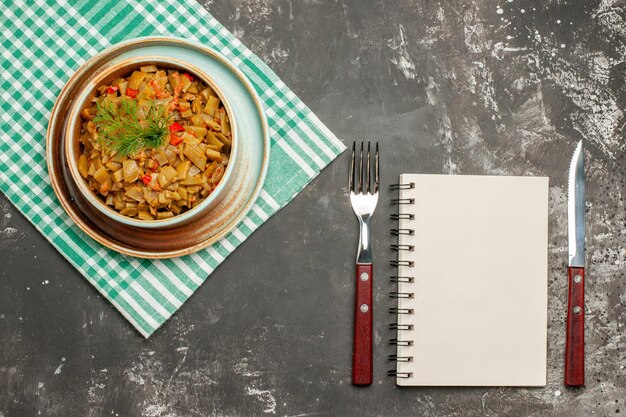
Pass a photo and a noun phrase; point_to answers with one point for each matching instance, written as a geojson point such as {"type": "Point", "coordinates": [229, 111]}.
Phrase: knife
{"type": "Point", "coordinates": [575, 330]}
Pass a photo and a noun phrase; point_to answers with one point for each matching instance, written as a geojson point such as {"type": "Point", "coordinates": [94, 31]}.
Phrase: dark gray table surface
{"type": "Point", "coordinates": [454, 86]}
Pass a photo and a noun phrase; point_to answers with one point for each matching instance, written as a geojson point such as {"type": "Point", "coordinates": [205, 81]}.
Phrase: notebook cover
{"type": "Point", "coordinates": [480, 290]}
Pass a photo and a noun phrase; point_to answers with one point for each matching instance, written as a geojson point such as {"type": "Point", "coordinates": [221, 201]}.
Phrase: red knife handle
{"type": "Point", "coordinates": [362, 349]}
{"type": "Point", "coordinates": [575, 331]}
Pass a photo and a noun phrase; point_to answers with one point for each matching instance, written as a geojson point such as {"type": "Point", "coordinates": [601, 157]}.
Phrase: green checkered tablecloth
{"type": "Point", "coordinates": [43, 43]}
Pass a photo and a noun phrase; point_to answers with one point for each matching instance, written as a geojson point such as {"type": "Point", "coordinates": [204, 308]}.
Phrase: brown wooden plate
{"type": "Point", "coordinates": [238, 198]}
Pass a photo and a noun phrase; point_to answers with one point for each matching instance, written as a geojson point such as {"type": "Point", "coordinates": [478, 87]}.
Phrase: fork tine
{"type": "Point", "coordinates": [368, 187]}
{"type": "Point", "coordinates": [360, 189]}
{"type": "Point", "coordinates": [351, 175]}
{"type": "Point", "coordinates": [377, 174]}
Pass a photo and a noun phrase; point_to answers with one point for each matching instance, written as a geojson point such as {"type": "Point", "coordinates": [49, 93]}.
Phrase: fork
{"type": "Point", "coordinates": [363, 200]}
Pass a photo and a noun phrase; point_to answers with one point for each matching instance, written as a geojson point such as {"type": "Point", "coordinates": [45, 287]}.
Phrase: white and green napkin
{"type": "Point", "coordinates": [42, 45]}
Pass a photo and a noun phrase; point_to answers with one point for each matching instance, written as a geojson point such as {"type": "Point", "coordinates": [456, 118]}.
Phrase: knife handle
{"type": "Point", "coordinates": [362, 350]}
{"type": "Point", "coordinates": [575, 331]}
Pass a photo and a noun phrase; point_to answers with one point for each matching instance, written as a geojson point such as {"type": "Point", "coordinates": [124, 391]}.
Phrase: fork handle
{"type": "Point", "coordinates": [362, 349]}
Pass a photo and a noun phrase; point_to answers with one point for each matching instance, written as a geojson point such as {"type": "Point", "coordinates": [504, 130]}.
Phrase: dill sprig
{"type": "Point", "coordinates": [122, 131]}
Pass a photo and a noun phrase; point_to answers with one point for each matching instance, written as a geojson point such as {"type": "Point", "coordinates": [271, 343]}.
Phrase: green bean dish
{"type": "Point", "coordinates": [154, 144]}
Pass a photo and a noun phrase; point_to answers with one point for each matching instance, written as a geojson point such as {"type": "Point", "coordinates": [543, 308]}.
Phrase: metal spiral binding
{"type": "Point", "coordinates": [394, 187]}
{"type": "Point", "coordinates": [403, 216]}
{"type": "Point", "coordinates": [396, 326]}
{"type": "Point", "coordinates": [396, 342]}
{"type": "Point", "coordinates": [401, 279]}
{"type": "Point", "coordinates": [396, 294]}
{"type": "Point", "coordinates": [397, 358]}
{"type": "Point", "coordinates": [396, 278]}
{"type": "Point", "coordinates": [402, 263]}
{"type": "Point", "coordinates": [398, 201]}
{"type": "Point", "coordinates": [394, 310]}
{"type": "Point", "coordinates": [398, 232]}
{"type": "Point", "coordinates": [400, 374]}
{"type": "Point", "coordinates": [398, 248]}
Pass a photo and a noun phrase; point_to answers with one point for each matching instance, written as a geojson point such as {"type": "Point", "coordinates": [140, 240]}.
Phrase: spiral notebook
{"type": "Point", "coordinates": [471, 281]}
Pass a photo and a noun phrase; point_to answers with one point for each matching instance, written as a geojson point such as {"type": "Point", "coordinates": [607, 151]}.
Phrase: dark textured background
{"type": "Point", "coordinates": [452, 86]}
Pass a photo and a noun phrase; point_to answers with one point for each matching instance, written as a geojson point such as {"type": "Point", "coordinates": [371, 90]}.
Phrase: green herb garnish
{"type": "Point", "coordinates": [122, 130]}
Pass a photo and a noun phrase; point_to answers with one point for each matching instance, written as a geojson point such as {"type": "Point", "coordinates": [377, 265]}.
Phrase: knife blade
{"type": "Point", "coordinates": [575, 329]}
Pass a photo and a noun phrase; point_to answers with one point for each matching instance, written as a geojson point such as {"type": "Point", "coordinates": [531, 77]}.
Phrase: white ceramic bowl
{"type": "Point", "coordinates": [104, 76]}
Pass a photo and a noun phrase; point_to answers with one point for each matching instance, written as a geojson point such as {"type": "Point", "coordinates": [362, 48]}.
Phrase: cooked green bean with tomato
{"type": "Point", "coordinates": [154, 144]}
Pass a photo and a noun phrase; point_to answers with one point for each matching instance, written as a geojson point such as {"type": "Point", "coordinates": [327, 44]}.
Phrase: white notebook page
{"type": "Point", "coordinates": [480, 281]}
